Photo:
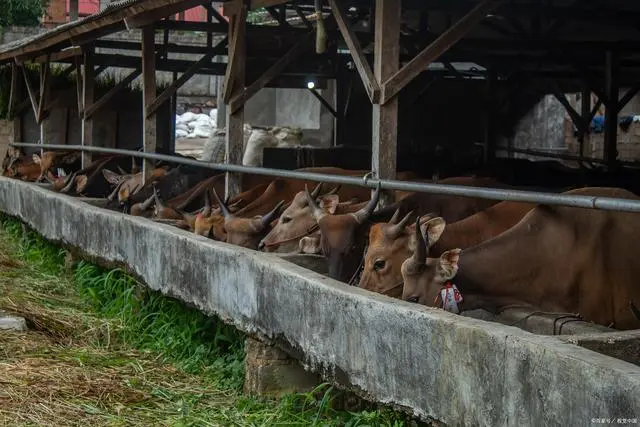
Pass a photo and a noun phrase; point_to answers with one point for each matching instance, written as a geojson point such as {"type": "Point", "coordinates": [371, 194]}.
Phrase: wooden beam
{"type": "Point", "coordinates": [88, 91]}
{"type": "Point", "coordinates": [149, 136]}
{"type": "Point", "coordinates": [234, 142]}
{"type": "Point", "coordinates": [366, 74]}
{"type": "Point", "coordinates": [13, 91]}
{"type": "Point", "coordinates": [45, 77]}
{"type": "Point", "coordinates": [302, 17]}
{"type": "Point", "coordinates": [385, 117]}
{"type": "Point", "coordinates": [97, 106]}
{"type": "Point", "coordinates": [179, 82]}
{"type": "Point", "coordinates": [147, 18]}
{"type": "Point", "coordinates": [233, 8]}
{"type": "Point", "coordinates": [612, 71]}
{"type": "Point", "coordinates": [394, 84]}
{"type": "Point", "coordinates": [576, 118]}
{"type": "Point", "coordinates": [30, 91]}
{"type": "Point", "coordinates": [59, 56]}
{"type": "Point", "coordinates": [245, 94]}
{"type": "Point", "coordinates": [628, 96]}
{"type": "Point", "coordinates": [236, 28]}
{"type": "Point", "coordinates": [585, 111]}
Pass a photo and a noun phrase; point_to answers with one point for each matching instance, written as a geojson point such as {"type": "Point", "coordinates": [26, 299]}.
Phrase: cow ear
{"type": "Point", "coordinates": [309, 245]}
{"type": "Point", "coordinates": [111, 177]}
{"type": "Point", "coordinates": [448, 264]}
{"type": "Point", "coordinates": [36, 159]}
{"type": "Point", "coordinates": [330, 203]}
{"type": "Point", "coordinates": [433, 229]}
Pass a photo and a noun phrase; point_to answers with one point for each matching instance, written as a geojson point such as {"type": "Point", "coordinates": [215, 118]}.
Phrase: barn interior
{"type": "Point", "coordinates": [436, 86]}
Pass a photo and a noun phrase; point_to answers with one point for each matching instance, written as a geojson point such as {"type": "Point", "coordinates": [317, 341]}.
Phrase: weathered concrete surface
{"type": "Point", "coordinates": [12, 323]}
{"type": "Point", "coordinates": [458, 370]}
{"type": "Point", "coordinates": [272, 372]}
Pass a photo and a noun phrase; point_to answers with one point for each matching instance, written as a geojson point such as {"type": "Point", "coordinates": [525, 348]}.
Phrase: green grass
{"type": "Point", "coordinates": [104, 350]}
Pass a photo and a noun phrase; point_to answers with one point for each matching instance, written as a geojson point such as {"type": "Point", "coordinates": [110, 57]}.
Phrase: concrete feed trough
{"type": "Point", "coordinates": [439, 366]}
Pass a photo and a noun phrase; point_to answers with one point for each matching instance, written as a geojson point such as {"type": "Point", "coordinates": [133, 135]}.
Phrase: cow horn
{"type": "Point", "coordinates": [419, 256]}
{"type": "Point", "coordinates": [395, 217]}
{"type": "Point", "coordinates": [316, 191]}
{"type": "Point", "coordinates": [268, 218]}
{"type": "Point", "coordinates": [68, 183]}
{"type": "Point", "coordinates": [122, 172]}
{"type": "Point", "coordinates": [318, 213]}
{"type": "Point", "coordinates": [115, 191]}
{"type": "Point", "coordinates": [206, 211]}
{"type": "Point", "coordinates": [223, 208]}
{"type": "Point", "coordinates": [334, 190]}
{"type": "Point", "coordinates": [145, 205]}
{"type": "Point", "coordinates": [397, 229]}
{"type": "Point", "coordinates": [363, 214]}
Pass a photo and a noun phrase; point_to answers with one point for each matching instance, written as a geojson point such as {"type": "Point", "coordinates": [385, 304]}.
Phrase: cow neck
{"type": "Point", "coordinates": [499, 269]}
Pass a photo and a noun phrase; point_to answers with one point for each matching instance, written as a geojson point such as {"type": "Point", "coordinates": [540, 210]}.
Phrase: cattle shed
{"type": "Point", "coordinates": [423, 68]}
{"type": "Point", "coordinates": [423, 85]}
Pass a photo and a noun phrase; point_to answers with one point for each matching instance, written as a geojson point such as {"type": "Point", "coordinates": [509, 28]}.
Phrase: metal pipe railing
{"type": "Point", "coordinates": [578, 201]}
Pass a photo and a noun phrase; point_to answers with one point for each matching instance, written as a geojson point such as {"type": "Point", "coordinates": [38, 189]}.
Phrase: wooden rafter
{"type": "Point", "coordinates": [175, 85]}
{"type": "Point", "coordinates": [59, 56]}
{"type": "Point", "coordinates": [241, 98]}
{"type": "Point", "coordinates": [78, 67]}
{"type": "Point", "coordinates": [13, 91]}
{"type": "Point", "coordinates": [45, 77]}
{"type": "Point", "coordinates": [32, 94]}
{"type": "Point", "coordinates": [147, 18]}
{"type": "Point", "coordinates": [234, 7]}
{"type": "Point", "coordinates": [392, 86]}
{"type": "Point", "coordinates": [104, 100]}
{"type": "Point", "coordinates": [365, 71]}
{"type": "Point", "coordinates": [628, 96]}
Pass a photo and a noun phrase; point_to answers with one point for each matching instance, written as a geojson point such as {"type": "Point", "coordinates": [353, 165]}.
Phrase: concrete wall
{"type": "Point", "coordinates": [543, 127]}
{"type": "Point", "coordinates": [437, 365]}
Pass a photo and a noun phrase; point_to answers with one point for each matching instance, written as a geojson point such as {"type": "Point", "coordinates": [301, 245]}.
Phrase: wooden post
{"type": "Point", "coordinates": [611, 115]}
{"type": "Point", "coordinates": [17, 93]}
{"type": "Point", "coordinates": [149, 136]}
{"type": "Point", "coordinates": [172, 128]}
{"type": "Point", "coordinates": [88, 81]}
{"type": "Point", "coordinates": [385, 117]}
{"type": "Point", "coordinates": [235, 119]}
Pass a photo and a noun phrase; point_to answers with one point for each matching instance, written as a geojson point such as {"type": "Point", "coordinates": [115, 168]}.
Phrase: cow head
{"type": "Point", "coordinates": [423, 276]}
{"type": "Point", "coordinates": [389, 246]}
{"type": "Point", "coordinates": [297, 221]}
{"type": "Point", "coordinates": [343, 236]}
{"type": "Point", "coordinates": [246, 232]}
{"type": "Point", "coordinates": [161, 211]}
{"type": "Point", "coordinates": [51, 159]}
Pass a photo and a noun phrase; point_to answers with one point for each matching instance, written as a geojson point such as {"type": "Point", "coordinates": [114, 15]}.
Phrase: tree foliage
{"type": "Point", "coordinates": [25, 13]}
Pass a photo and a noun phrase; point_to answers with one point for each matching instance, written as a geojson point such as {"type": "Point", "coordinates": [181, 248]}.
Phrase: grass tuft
{"type": "Point", "coordinates": [104, 350]}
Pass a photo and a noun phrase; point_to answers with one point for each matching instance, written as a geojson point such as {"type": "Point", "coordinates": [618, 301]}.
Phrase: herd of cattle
{"type": "Point", "coordinates": [498, 254]}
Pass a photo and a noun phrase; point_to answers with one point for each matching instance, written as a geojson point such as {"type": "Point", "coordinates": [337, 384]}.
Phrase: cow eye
{"type": "Point", "coordinates": [285, 219]}
{"type": "Point", "coordinates": [413, 299]}
{"type": "Point", "coordinates": [379, 265]}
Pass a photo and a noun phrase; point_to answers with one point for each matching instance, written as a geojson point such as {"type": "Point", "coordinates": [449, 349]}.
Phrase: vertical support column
{"type": "Point", "coordinates": [172, 127]}
{"type": "Point", "coordinates": [73, 10]}
{"type": "Point", "coordinates": [235, 120]}
{"type": "Point", "coordinates": [17, 93]}
{"type": "Point", "coordinates": [88, 80]}
{"type": "Point", "coordinates": [611, 115]}
{"type": "Point", "coordinates": [45, 72]}
{"type": "Point", "coordinates": [385, 117]}
{"type": "Point", "coordinates": [490, 124]}
{"type": "Point", "coordinates": [585, 113]}
{"type": "Point", "coordinates": [149, 135]}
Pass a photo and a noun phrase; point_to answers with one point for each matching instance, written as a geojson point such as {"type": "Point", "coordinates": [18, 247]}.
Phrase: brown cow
{"type": "Point", "coordinates": [53, 159]}
{"type": "Point", "coordinates": [557, 259]}
{"type": "Point", "coordinates": [390, 244]}
{"type": "Point", "coordinates": [296, 220]}
{"type": "Point", "coordinates": [246, 232]}
{"type": "Point", "coordinates": [344, 235]}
